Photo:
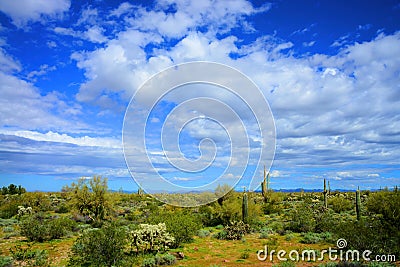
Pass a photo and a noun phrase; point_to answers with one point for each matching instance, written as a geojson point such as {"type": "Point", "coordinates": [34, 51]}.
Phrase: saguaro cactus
{"type": "Point", "coordinates": [325, 195]}
{"type": "Point", "coordinates": [245, 207]}
{"type": "Point", "coordinates": [265, 186]}
{"type": "Point", "coordinates": [358, 204]}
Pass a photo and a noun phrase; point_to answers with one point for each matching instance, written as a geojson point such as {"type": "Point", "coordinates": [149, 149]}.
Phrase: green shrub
{"type": "Point", "coordinates": [9, 207]}
{"type": "Point", "coordinates": [165, 259]}
{"type": "Point", "coordinates": [6, 261]}
{"type": "Point", "coordinates": [381, 264]}
{"type": "Point", "coordinates": [363, 235]}
{"type": "Point", "coordinates": [272, 207]}
{"type": "Point", "coordinates": [328, 264]}
{"type": "Point", "coordinates": [8, 222]}
{"type": "Point", "coordinates": [31, 257]}
{"type": "Point", "coordinates": [340, 204]}
{"type": "Point", "coordinates": [38, 228]}
{"type": "Point", "coordinates": [180, 225]}
{"type": "Point", "coordinates": [301, 219]}
{"type": "Point", "coordinates": [314, 238]}
{"type": "Point", "coordinates": [326, 221]}
{"type": "Point", "coordinates": [35, 228]}
{"type": "Point", "coordinates": [149, 262]}
{"type": "Point", "coordinates": [285, 264]}
{"type": "Point", "coordinates": [8, 229]}
{"type": "Point", "coordinates": [41, 258]}
{"type": "Point", "coordinates": [221, 235]}
{"type": "Point", "coordinates": [62, 208]}
{"type": "Point", "coordinates": [289, 236]}
{"type": "Point", "coordinates": [21, 253]}
{"type": "Point", "coordinates": [277, 226]}
{"type": "Point", "coordinates": [99, 247]}
{"type": "Point", "coordinates": [244, 255]}
{"type": "Point", "coordinates": [203, 233]}
{"type": "Point", "coordinates": [311, 238]}
{"type": "Point", "coordinates": [265, 232]}
{"type": "Point", "coordinates": [60, 227]}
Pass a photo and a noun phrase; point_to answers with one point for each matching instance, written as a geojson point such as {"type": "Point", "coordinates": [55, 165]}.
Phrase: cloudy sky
{"type": "Point", "coordinates": [330, 71]}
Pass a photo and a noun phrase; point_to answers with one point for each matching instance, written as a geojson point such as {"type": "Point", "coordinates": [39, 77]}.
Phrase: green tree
{"type": "Point", "coordinates": [12, 189]}
{"type": "Point", "coordinates": [90, 198]}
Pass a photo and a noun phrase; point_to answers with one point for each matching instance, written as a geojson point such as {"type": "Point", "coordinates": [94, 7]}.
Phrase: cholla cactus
{"type": "Point", "coordinates": [149, 238]}
{"type": "Point", "coordinates": [24, 211]}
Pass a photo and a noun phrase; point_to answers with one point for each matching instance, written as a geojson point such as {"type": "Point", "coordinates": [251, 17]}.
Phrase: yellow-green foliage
{"type": "Point", "coordinates": [340, 204]}
{"type": "Point", "coordinates": [90, 197]}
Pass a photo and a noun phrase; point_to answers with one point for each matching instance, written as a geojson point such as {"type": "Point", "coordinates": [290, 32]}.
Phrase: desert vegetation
{"type": "Point", "coordinates": [87, 225]}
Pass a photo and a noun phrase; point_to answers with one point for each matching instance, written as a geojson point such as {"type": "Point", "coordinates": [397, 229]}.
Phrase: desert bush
{"type": "Point", "coordinates": [39, 201]}
{"type": "Point", "coordinates": [265, 232]}
{"type": "Point", "coordinates": [340, 204]}
{"type": "Point", "coordinates": [275, 203]}
{"type": "Point", "coordinates": [357, 264]}
{"type": "Point", "coordinates": [38, 228]}
{"type": "Point", "coordinates": [289, 236]}
{"type": "Point", "coordinates": [386, 204]}
{"type": "Point", "coordinates": [30, 257]}
{"type": "Point", "coordinates": [9, 207]}
{"type": "Point", "coordinates": [311, 238]}
{"type": "Point", "coordinates": [60, 227]}
{"type": "Point", "coordinates": [328, 264]}
{"type": "Point", "coordinates": [207, 215]}
{"type": "Point", "coordinates": [62, 208]}
{"type": "Point", "coordinates": [165, 259]}
{"type": "Point", "coordinates": [34, 228]}
{"type": "Point", "coordinates": [203, 233]}
{"type": "Point", "coordinates": [360, 235]}
{"type": "Point", "coordinates": [41, 258]}
{"type": "Point", "coordinates": [244, 255]}
{"type": "Point", "coordinates": [6, 261]}
{"type": "Point", "coordinates": [381, 264]}
{"type": "Point", "coordinates": [149, 262]}
{"type": "Point", "coordinates": [301, 218]}
{"type": "Point", "coordinates": [379, 231]}
{"type": "Point", "coordinates": [326, 221]}
{"type": "Point", "coordinates": [8, 229]}
{"type": "Point", "coordinates": [180, 225]}
{"type": "Point", "coordinates": [8, 222]}
{"type": "Point", "coordinates": [220, 235]}
{"type": "Point", "coordinates": [277, 226]}
{"type": "Point", "coordinates": [271, 208]}
{"type": "Point", "coordinates": [285, 264]}
{"type": "Point", "coordinates": [99, 247]}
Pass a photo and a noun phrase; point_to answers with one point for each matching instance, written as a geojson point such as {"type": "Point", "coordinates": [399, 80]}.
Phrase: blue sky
{"type": "Point", "coordinates": [330, 71]}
